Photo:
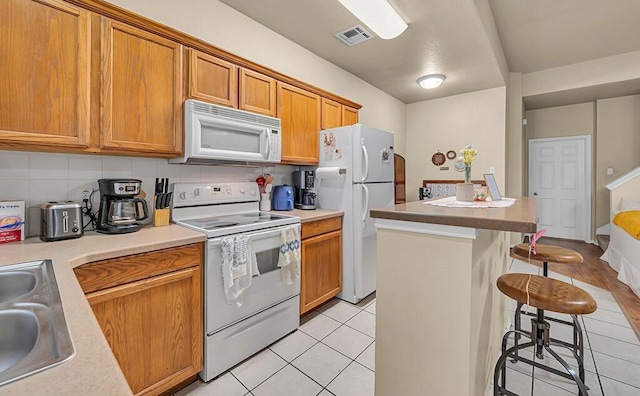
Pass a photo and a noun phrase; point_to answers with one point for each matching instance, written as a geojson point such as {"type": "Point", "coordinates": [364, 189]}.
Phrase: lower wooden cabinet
{"type": "Point", "coordinates": [321, 274]}
{"type": "Point", "coordinates": [149, 307]}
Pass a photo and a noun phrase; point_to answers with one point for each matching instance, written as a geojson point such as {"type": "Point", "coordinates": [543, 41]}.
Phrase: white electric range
{"type": "Point", "coordinates": [270, 308]}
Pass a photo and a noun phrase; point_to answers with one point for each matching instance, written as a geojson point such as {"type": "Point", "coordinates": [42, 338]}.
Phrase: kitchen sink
{"type": "Point", "coordinates": [15, 284]}
{"type": "Point", "coordinates": [33, 332]}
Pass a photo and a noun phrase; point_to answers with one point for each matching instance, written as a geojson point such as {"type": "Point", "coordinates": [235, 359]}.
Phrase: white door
{"type": "Point", "coordinates": [560, 177]}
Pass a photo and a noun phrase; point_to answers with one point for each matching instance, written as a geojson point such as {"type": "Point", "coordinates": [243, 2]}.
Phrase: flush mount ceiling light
{"type": "Point", "coordinates": [378, 15]}
{"type": "Point", "coordinates": [431, 81]}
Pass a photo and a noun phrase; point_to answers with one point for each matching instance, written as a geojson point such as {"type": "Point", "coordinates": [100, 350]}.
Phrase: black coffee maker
{"type": "Point", "coordinates": [304, 196]}
{"type": "Point", "coordinates": [120, 212]}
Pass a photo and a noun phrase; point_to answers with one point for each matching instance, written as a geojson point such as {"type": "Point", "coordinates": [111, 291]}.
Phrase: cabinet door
{"type": "Point", "coordinates": [44, 74]}
{"type": "Point", "coordinates": [331, 114]}
{"type": "Point", "coordinates": [154, 328]}
{"type": "Point", "coordinates": [349, 115]}
{"type": "Point", "coordinates": [141, 92]}
{"type": "Point", "coordinates": [299, 111]}
{"type": "Point", "coordinates": [212, 80]}
{"type": "Point", "coordinates": [321, 277]}
{"type": "Point", "coordinates": [257, 93]}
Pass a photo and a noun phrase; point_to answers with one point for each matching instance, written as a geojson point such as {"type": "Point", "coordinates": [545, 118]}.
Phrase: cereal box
{"type": "Point", "coordinates": [12, 225]}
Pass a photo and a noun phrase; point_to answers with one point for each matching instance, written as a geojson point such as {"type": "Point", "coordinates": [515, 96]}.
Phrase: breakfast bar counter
{"type": "Point", "coordinates": [440, 317]}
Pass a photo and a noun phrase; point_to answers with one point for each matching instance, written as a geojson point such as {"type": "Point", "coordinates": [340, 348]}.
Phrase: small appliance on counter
{"type": "Point", "coordinates": [120, 212]}
{"type": "Point", "coordinates": [61, 220]}
{"type": "Point", "coordinates": [282, 197]}
{"type": "Point", "coordinates": [304, 196]}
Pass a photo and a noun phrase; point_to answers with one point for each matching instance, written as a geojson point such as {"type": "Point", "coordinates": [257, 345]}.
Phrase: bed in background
{"type": "Point", "coordinates": [623, 253]}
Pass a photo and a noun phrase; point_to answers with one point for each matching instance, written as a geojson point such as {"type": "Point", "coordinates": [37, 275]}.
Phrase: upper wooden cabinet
{"type": "Point", "coordinates": [141, 91]}
{"type": "Point", "coordinates": [299, 111]}
{"type": "Point", "coordinates": [212, 80]}
{"type": "Point", "coordinates": [44, 74]}
{"type": "Point", "coordinates": [335, 114]}
{"type": "Point", "coordinates": [257, 93]}
{"type": "Point", "coordinates": [331, 114]}
{"type": "Point", "coordinates": [349, 115]}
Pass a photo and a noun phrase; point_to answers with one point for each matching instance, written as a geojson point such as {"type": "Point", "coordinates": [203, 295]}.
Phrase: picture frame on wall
{"type": "Point", "coordinates": [492, 185]}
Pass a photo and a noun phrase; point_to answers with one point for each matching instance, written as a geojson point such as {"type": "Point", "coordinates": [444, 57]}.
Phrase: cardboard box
{"type": "Point", "coordinates": [12, 221]}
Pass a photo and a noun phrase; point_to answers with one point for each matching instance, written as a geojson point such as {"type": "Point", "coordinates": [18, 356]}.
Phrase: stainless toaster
{"type": "Point", "coordinates": [61, 220]}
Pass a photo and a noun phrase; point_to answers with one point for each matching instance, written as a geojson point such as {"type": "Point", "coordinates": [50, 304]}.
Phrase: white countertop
{"type": "Point", "coordinates": [93, 370]}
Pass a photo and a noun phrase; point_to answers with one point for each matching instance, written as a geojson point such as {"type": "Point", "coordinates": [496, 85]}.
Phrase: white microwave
{"type": "Point", "coordinates": [221, 134]}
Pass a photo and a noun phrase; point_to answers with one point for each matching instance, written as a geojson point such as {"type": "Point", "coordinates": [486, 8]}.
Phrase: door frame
{"type": "Point", "coordinates": [588, 175]}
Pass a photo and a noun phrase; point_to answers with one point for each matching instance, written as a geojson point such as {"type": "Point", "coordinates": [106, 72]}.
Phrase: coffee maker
{"type": "Point", "coordinates": [304, 196]}
{"type": "Point", "coordinates": [119, 211]}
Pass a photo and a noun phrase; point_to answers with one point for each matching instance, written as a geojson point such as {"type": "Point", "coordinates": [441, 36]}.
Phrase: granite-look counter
{"type": "Point", "coordinates": [311, 215]}
{"type": "Point", "coordinates": [520, 217]}
{"type": "Point", "coordinates": [93, 370]}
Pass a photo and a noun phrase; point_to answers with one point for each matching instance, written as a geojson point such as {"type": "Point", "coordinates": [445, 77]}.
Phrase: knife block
{"type": "Point", "coordinates": [161, 217]}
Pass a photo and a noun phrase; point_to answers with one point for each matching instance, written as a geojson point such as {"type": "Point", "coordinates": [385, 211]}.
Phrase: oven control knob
{"type": "Point", "coordinates": [183, 195]}
{"type": "Point", "coordinates": [196, 192]}
{"type": "Point", "coordinates": [253, 193]}
{"type": "Point", "coordinates": [242, 190]}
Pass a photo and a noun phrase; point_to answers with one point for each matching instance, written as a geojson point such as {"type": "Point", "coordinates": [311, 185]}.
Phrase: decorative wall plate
{"type": "Point", "coordinates": [438, 159]}
{"type": "Point", "coordinates": [459, 166]}
{"type": "Point", "coordinates": [451, 154]}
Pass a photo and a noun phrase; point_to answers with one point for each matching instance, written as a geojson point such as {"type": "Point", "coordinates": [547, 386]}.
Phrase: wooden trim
{"type": "Point", "coordinates": [424, 182]}
{"type": "Point", "coordinates": [128, 17]}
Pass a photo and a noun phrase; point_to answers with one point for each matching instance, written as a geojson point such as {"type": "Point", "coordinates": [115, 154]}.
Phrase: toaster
{"type": "Point", "coordinates": [61, 220]}
{"type": "Point", "coordinates": [282, 198]}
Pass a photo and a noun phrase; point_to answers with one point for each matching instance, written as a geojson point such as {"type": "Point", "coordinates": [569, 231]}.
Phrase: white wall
{"type": "Point", "coordinates": [224, 27]}
{"type": "Point", "coordinates": [449, 124]}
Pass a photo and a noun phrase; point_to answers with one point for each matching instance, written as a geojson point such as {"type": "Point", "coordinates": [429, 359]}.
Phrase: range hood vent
{"type": "Point", "coordinates": [354, 35]}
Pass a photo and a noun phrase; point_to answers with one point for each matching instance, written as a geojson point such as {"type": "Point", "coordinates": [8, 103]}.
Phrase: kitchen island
{"type": "Point", "coordinates": [440, 317]}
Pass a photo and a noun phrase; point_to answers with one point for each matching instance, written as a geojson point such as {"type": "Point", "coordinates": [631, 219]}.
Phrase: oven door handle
{"type": "Point", "coordinates": [272, 232]}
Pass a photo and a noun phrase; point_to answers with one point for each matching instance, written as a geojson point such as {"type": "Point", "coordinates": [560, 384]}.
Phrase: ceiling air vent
{"type": "Point", "coordinates": [354, 35]}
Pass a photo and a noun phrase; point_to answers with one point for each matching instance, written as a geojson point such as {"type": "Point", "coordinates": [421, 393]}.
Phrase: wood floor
{"type": "Point", "coordinates": [598, 273]}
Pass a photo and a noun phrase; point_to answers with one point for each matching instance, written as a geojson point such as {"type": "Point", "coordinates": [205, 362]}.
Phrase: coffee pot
{"type": "Point", "coordinates": [120, 212]}
{"type": "Point", "coordinates": [127, 211]}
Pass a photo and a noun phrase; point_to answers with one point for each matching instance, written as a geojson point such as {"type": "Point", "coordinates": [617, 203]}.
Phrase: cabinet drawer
{"type": "Point", "coordinates": [321, 227]}
{"type": "Point", "coordinates": [117, 271]}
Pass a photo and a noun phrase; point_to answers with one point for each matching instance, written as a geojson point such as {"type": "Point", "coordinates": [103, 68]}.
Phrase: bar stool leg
{"type": "Point", "coordinates": [579, 380]}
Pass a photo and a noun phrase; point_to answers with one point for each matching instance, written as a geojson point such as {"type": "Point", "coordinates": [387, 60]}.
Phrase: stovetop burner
{"type": "Point", "coordinates": [218, 222]}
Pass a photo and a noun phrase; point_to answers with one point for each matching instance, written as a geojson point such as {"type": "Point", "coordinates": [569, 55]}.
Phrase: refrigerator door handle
{"type": "Point", "coordinates": [366, 203]}
{"type": "Point", "coordinates": [365, 153]}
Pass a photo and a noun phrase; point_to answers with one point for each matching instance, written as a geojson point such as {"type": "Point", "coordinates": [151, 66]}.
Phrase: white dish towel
{"type": "Point", "coordinates": [239, 265]}
{"type": "Point", "coordinates": [289, 260]}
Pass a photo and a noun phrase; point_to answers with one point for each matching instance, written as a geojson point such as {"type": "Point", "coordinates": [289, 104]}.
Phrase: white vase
{"type": "Point", "coordinates": [464, 192]}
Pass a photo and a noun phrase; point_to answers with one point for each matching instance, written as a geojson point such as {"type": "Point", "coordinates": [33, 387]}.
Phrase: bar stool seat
{"type": "Point", "coordinates": [543, 294]}
{"type": "Point", "coordinates": [548, 254]}
{"type": "Point", "coordinates": [547, 294]}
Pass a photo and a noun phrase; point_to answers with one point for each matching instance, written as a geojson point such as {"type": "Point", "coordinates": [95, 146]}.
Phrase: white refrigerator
{"type": "Point", "coordinates": [356, 174]}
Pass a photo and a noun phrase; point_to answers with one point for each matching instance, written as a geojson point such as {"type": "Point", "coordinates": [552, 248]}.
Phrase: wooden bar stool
{"type": "Point", "coordinates": [551, 254]}
{"type": "Point", "coordinates": [543, 294]}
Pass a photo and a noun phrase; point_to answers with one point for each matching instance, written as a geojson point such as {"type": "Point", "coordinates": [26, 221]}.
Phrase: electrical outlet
{"type": "Point", "coordinates": [609, 171]}
{"type": "Point", "coordinates": [85, 194]}
{"type": "Point", "coordinates": [492, 169]}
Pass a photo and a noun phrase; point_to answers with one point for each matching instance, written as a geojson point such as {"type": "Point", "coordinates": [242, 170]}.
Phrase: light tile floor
{"type": "Point", "coordinates": [333, 353]}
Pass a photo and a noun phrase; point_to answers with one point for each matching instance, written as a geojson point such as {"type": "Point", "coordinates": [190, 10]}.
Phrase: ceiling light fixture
{"type": "Point", "coordinates": [379, 15]}
{"type": "Point", "coordinates": [431, 81]}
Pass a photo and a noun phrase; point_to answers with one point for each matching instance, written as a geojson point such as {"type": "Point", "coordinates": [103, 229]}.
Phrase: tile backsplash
{"type": "Point", "coordinates": [41, 177]}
